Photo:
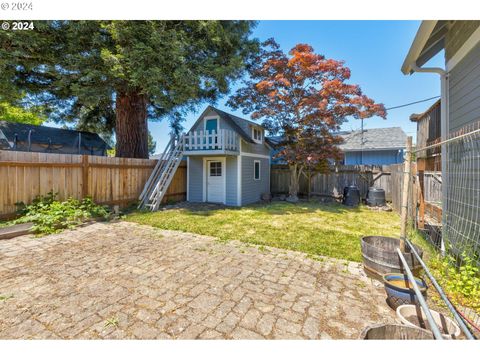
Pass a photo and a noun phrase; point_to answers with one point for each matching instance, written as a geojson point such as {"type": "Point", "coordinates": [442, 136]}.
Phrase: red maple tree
{"type": "Point", "coordinates": [303, 98]}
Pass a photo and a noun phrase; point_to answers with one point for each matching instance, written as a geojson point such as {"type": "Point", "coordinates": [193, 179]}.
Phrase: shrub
{"type": "Point", "coordinates": [50, 215]}
{"type": "Point", "coordinates": [461, 283]}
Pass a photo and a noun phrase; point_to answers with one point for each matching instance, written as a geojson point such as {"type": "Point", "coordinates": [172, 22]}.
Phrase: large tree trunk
{"type": "Point", "coordinates": [131, 128]}
{"type": "Point", "coordinates": [294, 185]}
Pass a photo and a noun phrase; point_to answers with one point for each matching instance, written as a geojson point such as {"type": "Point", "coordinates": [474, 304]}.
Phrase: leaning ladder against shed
{"type": "Point", "coordinates": [162, 175]}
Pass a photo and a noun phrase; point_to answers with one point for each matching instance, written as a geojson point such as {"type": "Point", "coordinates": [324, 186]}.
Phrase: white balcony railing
{"type": "Point", "coordinates": [224, 140]}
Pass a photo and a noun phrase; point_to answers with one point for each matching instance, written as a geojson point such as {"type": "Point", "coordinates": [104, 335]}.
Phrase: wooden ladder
{"type": "Point", "coordinates": [162, 175]}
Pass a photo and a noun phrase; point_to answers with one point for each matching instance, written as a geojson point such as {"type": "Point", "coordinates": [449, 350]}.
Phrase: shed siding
{"type": "Point", "coordinates": [253, 189]}
{"type": "Point", "coordinates": [195, 174]}
{"type": "Point", "coordinates": [196, 178]}
{"type": "Point", "coordinates": [464, 91]}
{"type": "Point", "coordinates": [383, 157]}
{"type": "Point", "coordinates": [231, 180]}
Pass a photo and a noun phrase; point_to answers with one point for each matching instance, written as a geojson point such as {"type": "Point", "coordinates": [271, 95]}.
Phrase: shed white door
{"type": "Point", "coordinates": [215, 181]}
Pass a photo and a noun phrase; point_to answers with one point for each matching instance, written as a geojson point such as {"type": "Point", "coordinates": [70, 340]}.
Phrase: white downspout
{"type": "Point", "coordinates": [444, 125]}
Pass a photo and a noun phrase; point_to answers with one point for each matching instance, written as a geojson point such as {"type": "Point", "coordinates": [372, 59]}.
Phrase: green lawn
{"type": "Point", "coordinates": [318, 229]}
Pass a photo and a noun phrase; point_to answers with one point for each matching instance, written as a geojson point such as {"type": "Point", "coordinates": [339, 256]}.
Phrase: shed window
{"type": "Point", "coordinates": [256, 170]}
{"type": "Point", "coordinates": [257, 135]}
{"type": "Point", "coordinates": [215, 168]}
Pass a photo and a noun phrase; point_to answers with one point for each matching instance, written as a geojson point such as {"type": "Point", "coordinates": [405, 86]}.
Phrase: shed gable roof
{"type": "Point", "coordinates": [239, 124]}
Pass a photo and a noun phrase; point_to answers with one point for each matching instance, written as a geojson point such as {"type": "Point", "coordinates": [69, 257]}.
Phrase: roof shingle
{"type": "Point", "coordinates": [375, 139]}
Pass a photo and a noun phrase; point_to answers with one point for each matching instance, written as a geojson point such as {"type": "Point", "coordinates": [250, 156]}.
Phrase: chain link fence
{"type": "Point", "coordinates": [461, 213]}
{"type": "Point", "coordinates": [451, 196]}
{"type": "Point", "coordinates": [447, 205]}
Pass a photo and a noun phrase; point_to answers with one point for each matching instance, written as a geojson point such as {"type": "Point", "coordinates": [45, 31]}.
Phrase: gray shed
{"type": "Point", "coordinates": [228, 159]}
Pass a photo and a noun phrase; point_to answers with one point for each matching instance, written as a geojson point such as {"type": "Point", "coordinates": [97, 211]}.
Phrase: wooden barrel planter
{"type": "Point", "coordinates": [395, 332]}
{"type": "Point", "coordinates": [380, 256]}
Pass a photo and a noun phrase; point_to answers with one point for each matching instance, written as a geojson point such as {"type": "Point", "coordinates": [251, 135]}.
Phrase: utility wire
{"type": "Point", "coordinates": [412, 103]}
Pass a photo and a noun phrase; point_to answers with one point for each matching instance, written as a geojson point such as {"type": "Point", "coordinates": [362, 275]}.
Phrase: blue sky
{"type": "Point", "coordinates": [373, 50]}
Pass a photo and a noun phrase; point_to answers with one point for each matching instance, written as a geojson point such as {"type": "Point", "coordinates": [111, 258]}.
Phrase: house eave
{"type": "Point", "coordinates": [372, 149]}
{"type": "Point", "coordinates": [419, 53]}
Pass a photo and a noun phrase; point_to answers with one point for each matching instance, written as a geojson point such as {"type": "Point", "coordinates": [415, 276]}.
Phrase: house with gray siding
{"type": "Point", "coordinates": [228, 159]}
{"type": "Point", "coordinates": [382, 146]}
{"type": "Point", "coordinates": [459, 114]}
{"type": "Point", "coordinates": [460, 78]}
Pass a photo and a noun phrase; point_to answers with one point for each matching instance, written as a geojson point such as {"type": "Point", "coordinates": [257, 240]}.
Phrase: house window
{"type": "Point", "coordinates": [215, 168]}
{"type": "Point", "coordinates": [256, 170]}
{"type": "Point", "coordinates": [257, 135]}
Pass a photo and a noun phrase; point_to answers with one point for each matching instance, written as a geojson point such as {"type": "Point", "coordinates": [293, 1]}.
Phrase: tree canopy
{"type": "Point", "coordinates": [18, 114]}
{"type": "Point", "coordinates": [115, 75]}
{"type": "Point", "coordinates": [152, 144]}
{"type": "Point", "coordinates": [304, 98]}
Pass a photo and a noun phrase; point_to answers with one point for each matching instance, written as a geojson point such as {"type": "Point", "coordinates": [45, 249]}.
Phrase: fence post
{"type": "Point", "coordinates": [406, 183]}
{"type": "Point", "coordinates": [421, 193]}
{"type": "Point", "coordinates": [84, 175]}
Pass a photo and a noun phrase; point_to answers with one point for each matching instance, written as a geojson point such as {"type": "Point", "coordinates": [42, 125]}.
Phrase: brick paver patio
{"type": "Point", "coordinates": [122, 280]}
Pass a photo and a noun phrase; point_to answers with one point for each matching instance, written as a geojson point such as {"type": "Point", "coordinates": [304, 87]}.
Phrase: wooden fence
{"type": "Point", "coordinates": [389, 178]}
{"type": "Point", "coordinates": [433, 186]}
{"type": "Point", "coordinates": [396, 182]}
{"type": "Point", "coordinates": [333, 182]}
{"type": "Point", "coordinates": [111, 181]}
